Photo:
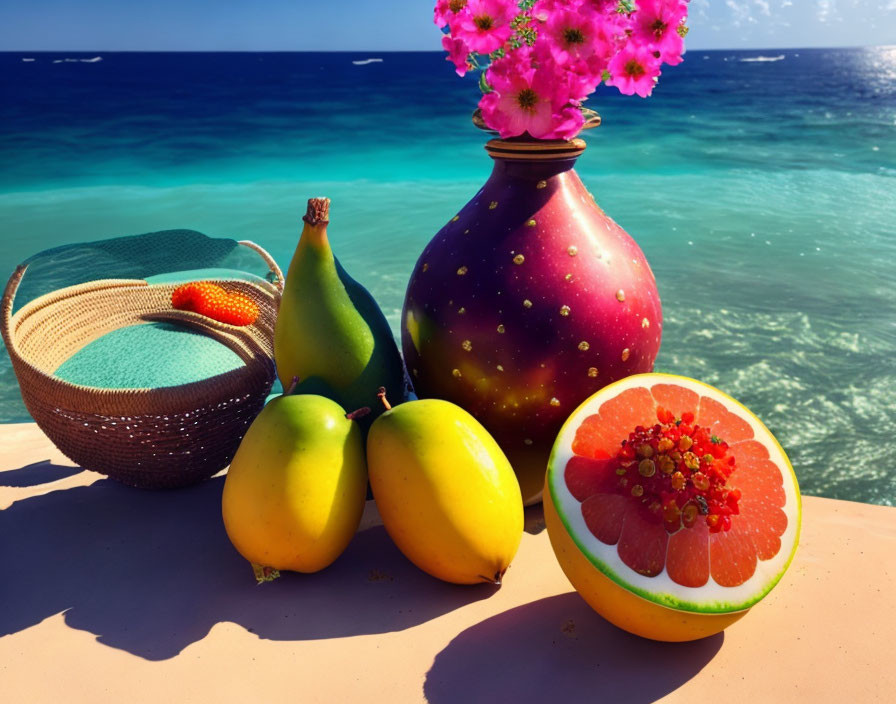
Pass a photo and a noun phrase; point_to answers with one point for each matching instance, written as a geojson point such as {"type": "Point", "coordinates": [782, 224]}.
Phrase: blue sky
{"type": "Point", "coordinates": [371, 25]}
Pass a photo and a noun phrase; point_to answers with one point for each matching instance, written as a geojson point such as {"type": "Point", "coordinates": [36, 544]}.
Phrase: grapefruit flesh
{"type": "Point", "coordinates": [671, 507]}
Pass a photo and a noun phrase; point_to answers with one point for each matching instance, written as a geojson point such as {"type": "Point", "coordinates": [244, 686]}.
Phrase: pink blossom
{"type": "Point", "coordinates": [633, 70]}
{"type": "Point", "coordinates": [528, 101]}
{"type": "Point", "coordinates": [656, 24]}
{"type": "Point", "coordinates": [572, 35]}
{"type": "Point", "coordinates": [446, 10]}
{"type": "Point", "coordinates": [568, 122]}
{"type": "Point", "coordinates": [573, 83]}
{"type": "Point", "coordinates": [485, 24]}
{"type": "Point", "coordinates": [458, 53]}
{"type": "Point", "coordinates": [583, 41]}
{"type": "Point", "coordinates": [608, 39]}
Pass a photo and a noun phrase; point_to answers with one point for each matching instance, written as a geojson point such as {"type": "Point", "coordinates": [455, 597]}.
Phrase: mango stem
{"type": "Point", "coordinates": [360, 413]}
{"type": "Point", "coordinates": [264, 574]}
{"type": "Point", "coordinates": [318, 213]}
{"type": "Point", "coordinates": [381, 395]}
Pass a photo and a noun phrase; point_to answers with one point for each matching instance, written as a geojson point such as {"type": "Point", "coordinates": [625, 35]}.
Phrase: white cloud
{"type": "Point", "coordinates": [703, 5]}
{"type": "Point", "coordinates": [827, 10]}
{"type": "Point", "coordinates": [740, 12]}
{"type": "Point", "coordinates": [763, 7]}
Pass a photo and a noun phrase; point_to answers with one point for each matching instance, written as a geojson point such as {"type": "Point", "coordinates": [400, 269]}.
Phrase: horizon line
{"type": "Point", "coordinates": [386, 51]}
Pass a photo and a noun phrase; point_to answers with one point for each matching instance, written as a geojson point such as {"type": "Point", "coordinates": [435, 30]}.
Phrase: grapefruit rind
{"type": "Point", "coordinates": [711, 598]}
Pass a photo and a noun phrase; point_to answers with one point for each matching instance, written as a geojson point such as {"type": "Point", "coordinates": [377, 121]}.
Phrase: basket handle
{"type": "Point", "coordinates": [9, 296]}
{"type": "Point", "coordinates": [268, 259]}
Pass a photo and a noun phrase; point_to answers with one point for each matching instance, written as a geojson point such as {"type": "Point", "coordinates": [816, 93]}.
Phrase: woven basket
{"type": "Point", "coordinates": [153, 438]}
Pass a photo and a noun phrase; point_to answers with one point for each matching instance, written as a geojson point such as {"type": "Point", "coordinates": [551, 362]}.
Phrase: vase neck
{"type": "Point", "coordinates": [535, 149]}
{"type": "Point", "coordinates": [538, 159]}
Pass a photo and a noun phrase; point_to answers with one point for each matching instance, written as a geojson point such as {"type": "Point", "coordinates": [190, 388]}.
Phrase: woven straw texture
{"type": "Point", "coordinates": [152, 438]}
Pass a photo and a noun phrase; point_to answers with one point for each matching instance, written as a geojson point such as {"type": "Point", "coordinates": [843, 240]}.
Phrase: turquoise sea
{"type": "Point", "coordinates": [761, 186]}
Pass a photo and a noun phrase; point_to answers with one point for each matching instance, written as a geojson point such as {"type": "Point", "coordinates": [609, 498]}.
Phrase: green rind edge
{"type": "Point", "coordinates": [668, 600]}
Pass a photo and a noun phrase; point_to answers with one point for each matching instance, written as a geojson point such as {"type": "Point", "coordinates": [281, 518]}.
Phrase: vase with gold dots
{"type": "Point", "coordinates": [527, 301]}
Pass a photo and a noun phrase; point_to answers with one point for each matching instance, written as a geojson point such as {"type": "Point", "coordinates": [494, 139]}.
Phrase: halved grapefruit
{"type": "Point", "coordinates": [671, 508]}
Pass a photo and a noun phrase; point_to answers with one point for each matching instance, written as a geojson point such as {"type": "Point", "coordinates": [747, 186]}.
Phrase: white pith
{"type": "Point", "coordinates": [712, 596]}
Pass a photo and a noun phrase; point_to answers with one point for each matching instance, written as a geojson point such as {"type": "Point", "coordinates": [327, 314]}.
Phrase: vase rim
{"type": "Point", "coordinates": [535, 149]}
{"type": "Point", "coordinates": [592, 120]}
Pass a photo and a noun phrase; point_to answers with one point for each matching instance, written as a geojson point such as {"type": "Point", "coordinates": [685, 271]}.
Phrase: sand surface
{"type": "Point", "coordinates": [120, 595]}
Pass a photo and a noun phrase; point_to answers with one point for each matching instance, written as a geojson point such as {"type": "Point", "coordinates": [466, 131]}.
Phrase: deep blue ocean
{"type": "Point", "coordinates": [761, 186]}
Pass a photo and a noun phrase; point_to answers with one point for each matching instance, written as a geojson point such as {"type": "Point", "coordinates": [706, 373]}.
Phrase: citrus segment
{"type": "Point", "coordinates": [722, 422]}
{"type": "Point", "coordinates": [635, 407]}
{"type": "Point", "coordinates": [765, 524]}
{"type": "Point", "coordinates": [732, 557]}
{"type": "Point", "coordinates": [590, 438]}
{"type": "Point", "coordinates": [676, 493]}
{"type": "Point", "coordinates": [758, 480]}
{"type": "Point", "coordinates": [603, 514]}
{"type": "Point", "coordinates": [675, 398]}
{"type": "Point", "coordinates": [687, 559]}
{"type": "Point", "coordinates": [750, 451]}
{"type": "Point", "coordinates": [642, 545]}
{"type": "Point", "coordinates": [586, 477]}
{"type": "Point", "coordinates": [597, 438]}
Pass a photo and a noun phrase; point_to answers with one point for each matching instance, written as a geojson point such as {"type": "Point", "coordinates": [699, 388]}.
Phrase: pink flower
{"type": "Point", "coordinates": [656, 24]}
{"type": "Point", "coordinates": [458, 53]}
{"type": "Point", "coordinates": [567, 123]}
{"type": "Point", "coordinates": [633, 70]}
{"type": "Point", "coordinates": [446, 10]}
{"type": "Point", "coordinates": [573, 35]}
{"type": "Point", "coordinates": [528, 101]}
{"type": "Point", "coordinates": [485, 24]}
{"type": "Point", "coordinates": [574, 83]}
{"type": "Point", "coordinates": [583, 41]}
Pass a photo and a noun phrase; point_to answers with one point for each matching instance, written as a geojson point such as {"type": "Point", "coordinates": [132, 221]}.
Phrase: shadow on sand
{"type": "Point", "coordinates": [36, 474]}
{"type": "Point", "coordinates": [558, 649]}
{"type": "Point", "coordinates": [150, 572]}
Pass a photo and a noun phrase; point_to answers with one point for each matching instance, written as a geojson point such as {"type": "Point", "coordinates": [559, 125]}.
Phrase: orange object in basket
{"type": "Point", "coordinates": [214, 302]}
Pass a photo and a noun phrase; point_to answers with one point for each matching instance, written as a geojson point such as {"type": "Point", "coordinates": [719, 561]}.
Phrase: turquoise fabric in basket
{"type": "Point", "coordinates": [150, 355]}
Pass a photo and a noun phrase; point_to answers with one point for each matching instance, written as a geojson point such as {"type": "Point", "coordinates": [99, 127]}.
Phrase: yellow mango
{"type": "Point", "coordinates": [295, 491]}
{"type": "Point", "coordinates": [446, 493]}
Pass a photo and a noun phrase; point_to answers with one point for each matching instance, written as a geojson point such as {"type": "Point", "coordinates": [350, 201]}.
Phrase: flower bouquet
{"type": "Point", "coordinates": [539, 60]}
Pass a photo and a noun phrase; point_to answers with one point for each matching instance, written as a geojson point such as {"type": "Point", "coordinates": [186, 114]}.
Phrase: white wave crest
{"type": "Point", "coordinates": [364, 62]}
{"type": "Point", "coordinates": [763, 59]}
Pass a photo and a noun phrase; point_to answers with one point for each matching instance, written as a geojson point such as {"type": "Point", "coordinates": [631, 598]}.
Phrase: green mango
{"type": "Point", "coordinates": [330, 332]}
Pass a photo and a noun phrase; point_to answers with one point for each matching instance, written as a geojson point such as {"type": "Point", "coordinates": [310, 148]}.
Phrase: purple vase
{"type": "Point", "coordinates": [528, 301]}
